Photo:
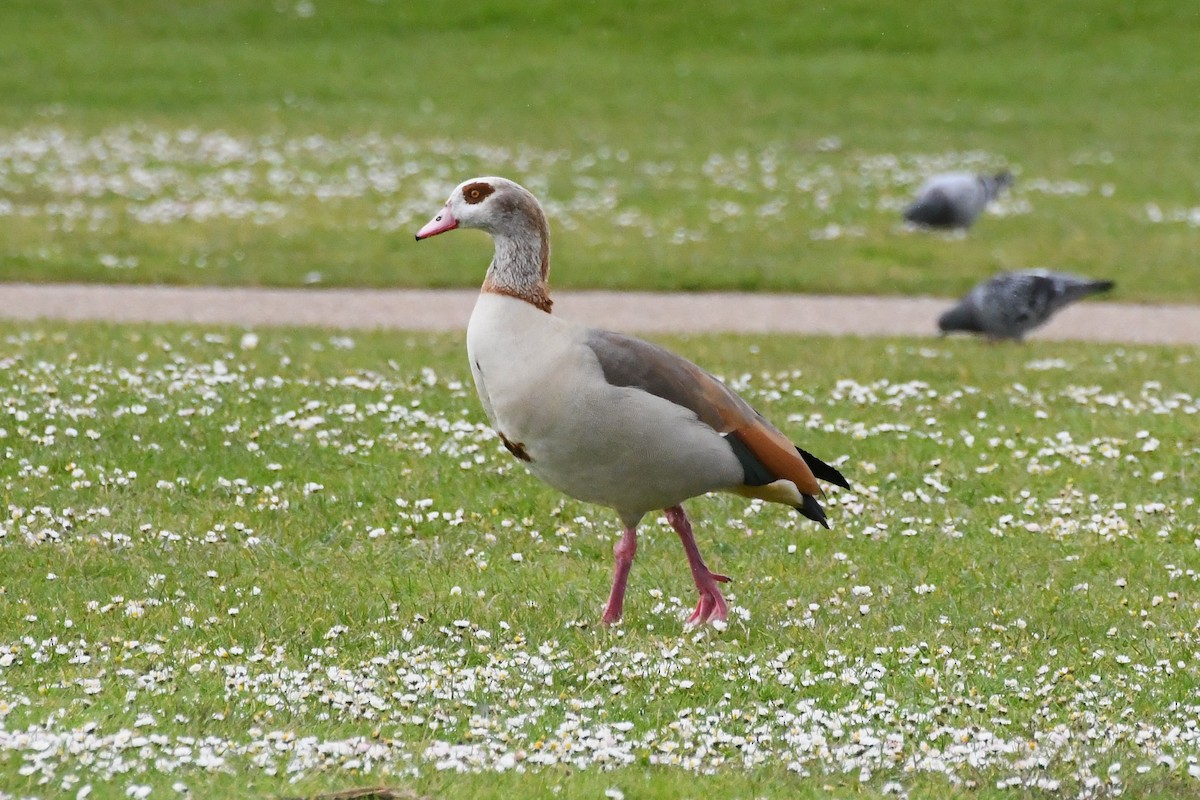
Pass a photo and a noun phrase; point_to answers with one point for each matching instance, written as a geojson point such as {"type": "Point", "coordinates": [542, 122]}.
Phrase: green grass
{"type": "Point", "coordinates": [282, 563]}
{"type": "Point", "coordinates": [679, 147]}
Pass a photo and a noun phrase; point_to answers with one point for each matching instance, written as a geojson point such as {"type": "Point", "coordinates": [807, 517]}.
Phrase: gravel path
{"type": "Point", "coordinates": [448, 309]}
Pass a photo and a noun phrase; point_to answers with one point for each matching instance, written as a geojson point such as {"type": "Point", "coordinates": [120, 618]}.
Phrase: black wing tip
{"type": "Point", "coordinates": [822, 470]}
{"type": "Point", "coordinates": [812, 510]}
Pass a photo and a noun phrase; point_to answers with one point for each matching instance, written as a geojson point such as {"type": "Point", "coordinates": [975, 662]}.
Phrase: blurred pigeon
{"type": "Point", "coordinates": [955, 199]}
{"type": "Point", "coordinates": [1011, 304]}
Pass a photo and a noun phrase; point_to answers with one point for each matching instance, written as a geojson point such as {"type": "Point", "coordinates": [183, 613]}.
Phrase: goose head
{"type": "Point", "coordinates": [496, 205]}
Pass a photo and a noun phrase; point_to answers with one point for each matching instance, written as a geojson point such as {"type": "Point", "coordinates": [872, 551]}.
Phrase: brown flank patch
{"type": "Point", "coordinates": [516, 448]}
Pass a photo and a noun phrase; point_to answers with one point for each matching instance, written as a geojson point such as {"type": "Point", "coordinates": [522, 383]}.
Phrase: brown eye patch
{"type": "Point", "coordinates": [475, 192]}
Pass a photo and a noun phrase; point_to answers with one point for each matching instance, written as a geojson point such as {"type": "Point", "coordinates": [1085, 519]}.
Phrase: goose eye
{"type": "Point", "coordinates": [477, 192]}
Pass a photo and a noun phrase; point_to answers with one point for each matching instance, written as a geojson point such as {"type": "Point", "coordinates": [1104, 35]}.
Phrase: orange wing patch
{"type": "Point", "coordinates": [778, 455]}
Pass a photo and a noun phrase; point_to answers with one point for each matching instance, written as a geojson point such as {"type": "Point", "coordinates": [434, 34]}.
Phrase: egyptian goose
{"type": "Point", "coordinates": [606, 418]}
{"type": "Point", "coordinates": [1011, 304]}
{"type": "Point", "coordinates": [955, 199]}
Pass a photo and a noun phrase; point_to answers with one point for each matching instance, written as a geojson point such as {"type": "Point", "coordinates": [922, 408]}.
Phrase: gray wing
{"type": "Point", "coordinates": [1025, 300]}
{"type": "Point", "coordinates": [765, 453]}
{"type": "Point", "coordinates": [627, 361]}
{"type": "Point", "coordinates": [1068, 288]}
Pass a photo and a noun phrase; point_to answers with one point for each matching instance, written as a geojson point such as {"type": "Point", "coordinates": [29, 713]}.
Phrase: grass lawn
{"type": "Point", "coordinates": [765, 146]}
{"type": "Point", "coordinates": [280, 563]}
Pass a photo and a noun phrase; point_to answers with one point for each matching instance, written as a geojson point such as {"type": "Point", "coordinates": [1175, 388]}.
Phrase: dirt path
{"type": "Point", "coordinates": [448, 309]}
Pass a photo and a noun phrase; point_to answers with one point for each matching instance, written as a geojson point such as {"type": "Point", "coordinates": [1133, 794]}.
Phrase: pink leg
{"type": "Point", "coordinates": [623, 551]}
{"type": "Point", "coordinates": [712, 604]}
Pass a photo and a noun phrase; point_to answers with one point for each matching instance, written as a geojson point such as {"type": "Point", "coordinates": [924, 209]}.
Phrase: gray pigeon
{"type": "Point", "coordinates": [955, 199]}
{"type": "Point", "coordinates": [1013, 303]}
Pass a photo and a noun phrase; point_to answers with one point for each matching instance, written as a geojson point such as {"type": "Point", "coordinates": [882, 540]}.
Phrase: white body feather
{"type": "Point", "coordinates": [543, 388]}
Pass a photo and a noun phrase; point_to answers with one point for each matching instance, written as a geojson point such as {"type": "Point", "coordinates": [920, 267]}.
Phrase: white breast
{"type": "Point", "coordinates": [516, 351]}
{"type": "Point", "coordinates": [544, 391]}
